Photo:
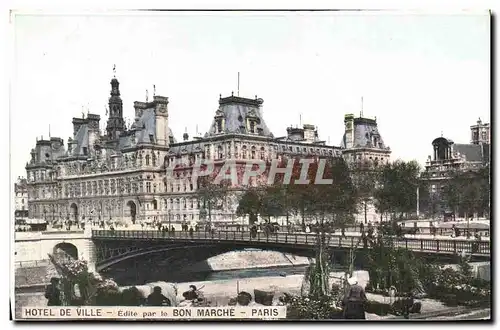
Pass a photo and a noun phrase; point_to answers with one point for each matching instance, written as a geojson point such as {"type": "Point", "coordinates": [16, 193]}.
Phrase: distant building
{"type": "Point", "coordinates": [449, 157]}
{"type": "Point", "coordinates": [121, 175]}
{"type": "Point", "coordinates": [21, 199]}
{"type": "Point", "coordinates": [362, 142]}
{"type": "Point", "coordinates": [480, 133]}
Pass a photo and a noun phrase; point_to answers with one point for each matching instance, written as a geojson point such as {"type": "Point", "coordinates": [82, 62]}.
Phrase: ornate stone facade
{"type": "Point", "coordinates": [121, 175]}
{"type": "Point", "coordinates": [21, 199]}
{"type": "Point", "coordinates": [449, 157]}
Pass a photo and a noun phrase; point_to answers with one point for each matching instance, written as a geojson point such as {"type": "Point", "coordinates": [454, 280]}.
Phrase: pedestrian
{"type": "Point", "coordinates": [157, 298]}
{"type": "Point", "coordinates": [52, 293]}
{"type": "Point", "coordinates": [354, 301]}
{"type": "Point", "coordinates": [191, 231]}
{"type": "Point", "coordinates": [191, 294]}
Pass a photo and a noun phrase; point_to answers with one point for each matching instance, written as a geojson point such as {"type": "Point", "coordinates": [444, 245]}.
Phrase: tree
{"type": "Point", "coordinates": [430, 201]}
{"type": "Point", "coordinates": [365, 176]}
{"type": "Point", "coordinates": [485, 189]}
{"type": "Point", "coordinates": [250, 204]}
{"type": "Point", "coordinates": [468, 191]}
{"type": "Point", "coordinates": [212, 195]}
{"type": "Point", "coordinates": [397, 191]}
{"type": "Point", "coordinates": [453, 191]}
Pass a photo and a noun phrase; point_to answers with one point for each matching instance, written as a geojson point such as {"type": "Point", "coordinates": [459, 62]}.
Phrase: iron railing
{"type": "Point", "coordinates": [438, 231]}
{"type": "Point", "coordinates": [436, 245]}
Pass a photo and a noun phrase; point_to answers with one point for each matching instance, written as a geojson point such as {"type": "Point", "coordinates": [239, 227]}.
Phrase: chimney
{"type": "Point", "coordinates": [77, 123]}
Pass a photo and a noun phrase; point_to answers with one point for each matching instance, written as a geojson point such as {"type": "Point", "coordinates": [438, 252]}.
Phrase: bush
{"type": "Point", "coordinates": [305, 308]}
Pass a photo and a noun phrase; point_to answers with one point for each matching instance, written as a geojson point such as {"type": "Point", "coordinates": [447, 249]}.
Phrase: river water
{"type": "Point", "coordinates": [126, 277]}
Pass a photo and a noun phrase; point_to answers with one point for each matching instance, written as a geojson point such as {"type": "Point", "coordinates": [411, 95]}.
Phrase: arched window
{"type": "Point", "coordinates": [244, 152]}
{"type": "Point", "coordinates": [253, 152]}
{"type": "Point", "coordinates": [262, 153]}
{"type": "Point", "coordinates": [147, 160]}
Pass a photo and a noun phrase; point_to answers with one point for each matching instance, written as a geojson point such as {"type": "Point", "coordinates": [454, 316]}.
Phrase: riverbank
{"type": "Point", "coordinates": [246, 259]}
{"type": "Point", "coordinates": [219, 292]}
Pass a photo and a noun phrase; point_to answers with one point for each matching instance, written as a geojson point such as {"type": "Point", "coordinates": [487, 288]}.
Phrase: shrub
{"type": "Point", "coordinates": [306, 308]}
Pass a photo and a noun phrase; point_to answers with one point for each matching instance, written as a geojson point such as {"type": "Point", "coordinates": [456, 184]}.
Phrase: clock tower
{"type": "Point", "coordinates": [116, 124]}
{"type": "Point", "coordinates": [161, 118]}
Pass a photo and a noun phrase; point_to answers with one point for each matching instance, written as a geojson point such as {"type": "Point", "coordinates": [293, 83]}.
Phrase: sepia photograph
{"type": "Point", "coordinates": [250, 165]}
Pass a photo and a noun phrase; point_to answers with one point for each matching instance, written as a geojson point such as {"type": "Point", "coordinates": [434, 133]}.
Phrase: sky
{"type": "Point", "coordinates": [420, 75]}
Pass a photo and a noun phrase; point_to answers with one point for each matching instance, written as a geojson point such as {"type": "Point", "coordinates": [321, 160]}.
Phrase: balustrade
{"type": "Point", "coordinates": [335, 240]}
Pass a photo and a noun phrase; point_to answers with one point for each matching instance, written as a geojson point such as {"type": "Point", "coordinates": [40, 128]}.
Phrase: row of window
{"type": "Point", "coordinates": [107, 187]}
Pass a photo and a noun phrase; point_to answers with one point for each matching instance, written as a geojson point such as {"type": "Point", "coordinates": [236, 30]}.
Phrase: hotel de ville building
{"type": "Point", "coordinates": [119, 175]}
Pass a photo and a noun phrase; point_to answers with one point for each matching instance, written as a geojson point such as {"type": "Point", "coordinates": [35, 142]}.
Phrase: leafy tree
{"type": "Point", "coordinates": [430, 201]}
{"type": "Point", "coordinates": [212, 195]}
{"type": "Point", "coordinates": [453, 191]}
{"type": "Point", "coordinates": [250, 204]}
{"type": "Point", "coordinates": [485, 189]}
{"type": "Point", "coordinates": [397, 192]}
{"type": "Point", "coordinates": [468, 191]}
{"type": "Point", "coordinates": [365, 176]}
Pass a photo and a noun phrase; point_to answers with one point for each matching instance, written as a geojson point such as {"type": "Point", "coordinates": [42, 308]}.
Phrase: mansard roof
{"type": "Point", "coordinates": [235, 111]}
{"type": "Point", "coordinates": [364, 131]}
{"type": "Point", "coordinates": [473, 152]}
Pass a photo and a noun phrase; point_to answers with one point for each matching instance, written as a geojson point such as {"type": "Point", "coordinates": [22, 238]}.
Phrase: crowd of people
{"type": "Point", "coordinates": [53, 295]}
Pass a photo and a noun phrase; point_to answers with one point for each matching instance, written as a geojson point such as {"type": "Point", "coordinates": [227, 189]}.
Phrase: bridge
{"type": "Point", "coordinates": [115, 246]}
{"type": "Point", "coordinates": [105, 248]}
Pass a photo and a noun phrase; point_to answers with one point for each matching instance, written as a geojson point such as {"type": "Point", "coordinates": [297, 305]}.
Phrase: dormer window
{"type": "Point", "coordinates": [219, 153]}
{"type": "Point", "coordinates": [85, 151]}
{"type": "Point", "coordinates": [252, 127]}
{"type": "Point", "coordinates": [219, 126]}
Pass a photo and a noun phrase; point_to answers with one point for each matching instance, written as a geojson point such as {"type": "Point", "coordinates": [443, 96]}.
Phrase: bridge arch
{"type": "Point", "coordinates": [68, 248]}
{"type": "Point", "coordinates": [132, 211]}
{"type": "Point", "coordinates": [202, 252]}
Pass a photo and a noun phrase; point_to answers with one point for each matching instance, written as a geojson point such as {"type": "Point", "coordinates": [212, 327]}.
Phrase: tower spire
{"type": "Point", "coordinates": [147, 94]}
{"type": "Point", "coordinates": [154, 90]}
{"type": "Point", "coordinates": [115, 124]}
